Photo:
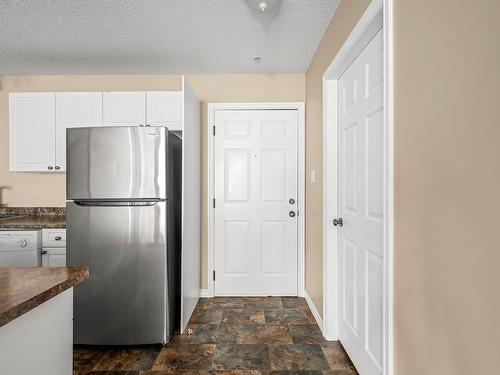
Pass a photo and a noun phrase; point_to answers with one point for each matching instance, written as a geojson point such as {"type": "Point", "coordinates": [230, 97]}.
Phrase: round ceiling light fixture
{"type": "Point", "coordinates": [262, 5]}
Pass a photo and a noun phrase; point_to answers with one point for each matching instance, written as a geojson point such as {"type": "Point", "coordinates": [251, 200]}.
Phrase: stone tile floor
{"type": "Point", "coordinates": [233, 336]}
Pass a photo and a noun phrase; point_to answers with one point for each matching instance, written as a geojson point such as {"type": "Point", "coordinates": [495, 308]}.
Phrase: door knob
{"type": "Point", "coordinates": [291, 214]}
{"type": "Point", "coordinates": [338, 222]}
{"type": "Point", "coordinates": [291, 201]}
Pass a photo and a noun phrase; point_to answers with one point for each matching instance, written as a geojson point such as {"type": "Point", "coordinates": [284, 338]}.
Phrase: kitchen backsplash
{"type": "Point", "coordinates": [36, 211]}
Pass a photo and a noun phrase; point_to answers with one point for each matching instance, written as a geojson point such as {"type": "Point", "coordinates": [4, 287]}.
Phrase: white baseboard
{"type": "Point", "coordinates": [314, 311]}
{"type": "Point", "coordinates": [204, 293]}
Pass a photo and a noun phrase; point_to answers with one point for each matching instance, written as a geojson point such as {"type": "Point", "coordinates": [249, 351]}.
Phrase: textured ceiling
{"type": "Point", "coordinates": [159, 36]}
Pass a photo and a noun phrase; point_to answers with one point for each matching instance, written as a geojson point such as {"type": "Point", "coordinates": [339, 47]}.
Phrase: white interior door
{"type": "Point", "coordinates": [361, 206]}
{"type": "Point", "coordinates": [256, 202]}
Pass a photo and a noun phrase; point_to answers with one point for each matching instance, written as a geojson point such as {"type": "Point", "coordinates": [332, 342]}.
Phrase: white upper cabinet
{"type": "Point", "coordinates": [31, 129]}
{"type": "Point", "coordinates": [74, 110]}
{"type": "Point", "coordinates": [164, 108]}
{"type": "Point", "coordinates": [38, 120]}
{"type": "Point", "coordinates": [124, 108]}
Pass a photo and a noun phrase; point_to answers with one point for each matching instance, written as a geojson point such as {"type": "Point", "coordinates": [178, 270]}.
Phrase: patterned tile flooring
{"type": "Point", "coordinates": [232, 336]}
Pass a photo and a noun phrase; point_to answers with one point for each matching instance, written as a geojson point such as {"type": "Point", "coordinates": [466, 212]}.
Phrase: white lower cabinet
{"type": "Point", "coordinates": [53, 247]}
{"type": "Point", "coordinates": [41, 340]}
{"type": "Point", "coordinates": [54, 257]}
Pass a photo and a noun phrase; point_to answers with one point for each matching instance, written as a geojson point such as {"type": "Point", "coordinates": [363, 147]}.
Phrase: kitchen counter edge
{"type": "Point", "coordinates": [24, 288]}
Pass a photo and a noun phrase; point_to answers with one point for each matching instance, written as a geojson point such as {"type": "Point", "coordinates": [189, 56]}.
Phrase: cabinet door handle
{"type": "Point", "coordinates": [50, 167]}
{"type": "Point", "coordinates": [44, 252]}
{"type": "Point", "coordinates": [57, 167]}
{"type": "Point", "coordinates": [58, 238]}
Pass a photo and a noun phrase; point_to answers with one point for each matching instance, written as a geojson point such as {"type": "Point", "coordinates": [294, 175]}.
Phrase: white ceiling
{"type": "Point", "coordinates": [159, 36]}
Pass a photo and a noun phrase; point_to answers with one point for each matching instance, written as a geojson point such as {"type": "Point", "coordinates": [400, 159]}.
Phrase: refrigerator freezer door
{"type": "Point", "coordinates": [124, 302]}
{"type": "Point", "coordinates": [116, 163]}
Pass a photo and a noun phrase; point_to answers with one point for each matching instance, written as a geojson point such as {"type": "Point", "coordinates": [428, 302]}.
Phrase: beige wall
{"type": "Point", "coordinates": [447, 181]}
{"type": "Point", "coordinates": [447, 79]}
{"type": "Point", "coordinates": [345, 18]}
{"type": "Point", "coordinates": [237, 88]}
{"type": "Point", "coordinates": [41, 189]}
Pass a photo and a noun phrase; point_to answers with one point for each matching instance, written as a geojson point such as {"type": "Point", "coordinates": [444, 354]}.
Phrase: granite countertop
{"type": "Point", "coordinates": [24, 288]}
{"type": "Point", "coordinates": [34, 222]}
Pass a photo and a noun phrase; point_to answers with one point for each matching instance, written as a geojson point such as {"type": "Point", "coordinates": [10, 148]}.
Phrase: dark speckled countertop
{"type": "Point", "coordinates": [34, 222]}
{"type": "Point", "coordinates": [26, 218]}
{"type": "Point", "coordinates": [22, 289]}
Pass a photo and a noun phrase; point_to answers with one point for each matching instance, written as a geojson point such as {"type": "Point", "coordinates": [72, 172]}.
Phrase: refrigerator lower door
{"type": "Point", "coordinates": [124, 302]}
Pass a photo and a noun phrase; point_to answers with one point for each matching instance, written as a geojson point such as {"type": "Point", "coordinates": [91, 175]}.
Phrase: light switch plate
{"type": "Point", "coordinates": [313, 176]}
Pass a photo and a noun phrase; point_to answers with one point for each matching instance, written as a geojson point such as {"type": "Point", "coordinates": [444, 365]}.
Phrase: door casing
{"type": "Point", "coordinates": [212, 108]}
{"type": "Point", "coordinates": [378, 13]}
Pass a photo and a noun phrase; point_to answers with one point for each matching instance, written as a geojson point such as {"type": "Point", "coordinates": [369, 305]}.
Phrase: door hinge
{"type": "Point", "coordinates": [213, 130]}
{"type": "Point", "coordinates": [213, 203]}
{"type": "Point", "coordinates": [214, 275]}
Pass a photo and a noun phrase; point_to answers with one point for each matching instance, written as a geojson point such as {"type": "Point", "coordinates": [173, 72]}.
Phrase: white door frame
{"type": "Point", "coordinates": [379, 13]}
{"type": "Point", "coordinates": [212, 108]}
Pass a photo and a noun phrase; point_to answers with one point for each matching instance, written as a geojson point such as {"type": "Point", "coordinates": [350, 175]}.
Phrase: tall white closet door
{"type": "Point", "coordinates": [361, 206]}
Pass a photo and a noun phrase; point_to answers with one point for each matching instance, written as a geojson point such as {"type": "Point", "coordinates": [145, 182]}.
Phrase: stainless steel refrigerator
{"type": "Point", "coordinates": [123, 212]}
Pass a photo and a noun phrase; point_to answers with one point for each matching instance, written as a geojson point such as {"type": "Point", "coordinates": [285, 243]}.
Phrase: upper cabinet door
{"type": "Point", "coordinates": [32, 128]}
{"type": "Point", "coordinates": [124, 108]}
{"type": "Point", "coordinates": [164, 109]}
{"type": "Point", "coordinates": [75, 110]}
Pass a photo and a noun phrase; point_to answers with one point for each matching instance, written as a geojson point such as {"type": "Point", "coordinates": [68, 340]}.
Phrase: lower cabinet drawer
{"type": "Point", "coordinates": [53, 238]}
{"type": "Point", "coordinates": [54, 257]}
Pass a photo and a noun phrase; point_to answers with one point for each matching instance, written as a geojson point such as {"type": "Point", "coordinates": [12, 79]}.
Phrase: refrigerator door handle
{"type": "Point", "coordinates": [116, 203]}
